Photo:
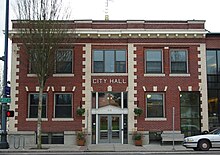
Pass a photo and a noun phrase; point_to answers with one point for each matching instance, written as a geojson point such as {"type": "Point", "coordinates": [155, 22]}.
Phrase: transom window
{"type": "Point", "coordinates": [33, 105]}
{"type": "Point", "coordinates": [153, 61]}
{"type": "Point", "coordinates": [63, 105]}
{"type": "Point", "coordinates": [109, 61]}
{"type": "Point", "coordinates": [155, 105]}
{"type": "Point", "coordinates": [178, 61]}
{"type": "Point", "coordinates": [64, 62]}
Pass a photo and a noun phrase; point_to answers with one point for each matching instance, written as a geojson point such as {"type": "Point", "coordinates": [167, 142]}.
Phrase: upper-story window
{"type": "Point", "coordinates": [109, 61]}
{"type": "Point", "coordinates": [64, 61]}
{"type": "Point", "coordinates": [213, 61]}
{"type": "Point", "coordinates": [178, 60]}
{"type": "Point", "coordinates": [153, 61]}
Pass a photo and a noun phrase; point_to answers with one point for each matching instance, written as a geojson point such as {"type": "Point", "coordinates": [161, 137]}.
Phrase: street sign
{"type": "Point", "coordinates": [5, 100]}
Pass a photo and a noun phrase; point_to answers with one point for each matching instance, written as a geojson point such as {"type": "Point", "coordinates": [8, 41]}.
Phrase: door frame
{"type": "Point", "coordinates": [109, 129]}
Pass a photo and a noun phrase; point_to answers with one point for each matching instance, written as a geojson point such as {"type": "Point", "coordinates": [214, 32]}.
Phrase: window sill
{"type": "Point", "coordinates": [155, 119]}
{"type": "Point", "coordinates": [62, 119]}
{"type": "Point", "coordinates": [35, 119]}
{"type": "Point", "coordinates": [182, 75]}
{"type": "Point", "coordinates": [31, 75]}
{"type": "Point", "coordinates": [109, 74]}
{"type": "Point", "coordinates": [153, 75]}
{"type": "Point", "coordinates": [63, 75]}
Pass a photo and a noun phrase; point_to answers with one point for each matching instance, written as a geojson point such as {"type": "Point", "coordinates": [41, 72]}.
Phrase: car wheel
{"type": "Point", "coordinates": [196, 149]}
{"type": "Point", "coordinates": [204, 145]}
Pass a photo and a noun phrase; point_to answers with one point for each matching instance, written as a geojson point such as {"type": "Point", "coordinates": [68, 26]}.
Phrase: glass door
{"type": "Point", "coordinates": [109, 129]}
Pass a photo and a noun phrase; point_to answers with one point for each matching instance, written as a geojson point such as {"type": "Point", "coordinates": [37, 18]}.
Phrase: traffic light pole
{"type": "Point", "coordinates": [4, 144]}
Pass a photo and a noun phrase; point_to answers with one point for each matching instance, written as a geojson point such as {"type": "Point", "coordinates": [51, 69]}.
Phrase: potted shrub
{"type": "Point", "coordinates": [80, 111]}
{"type": "Point", "coordinates": [138, 111]}
{"type": "Point", "coordinates": [80, 137]}
{"type": "Point", "coordinates": [137, 139]}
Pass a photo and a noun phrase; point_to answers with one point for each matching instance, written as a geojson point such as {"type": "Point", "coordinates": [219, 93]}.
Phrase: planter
{"type": "Point", "coordinates": [80, 142]}
{"type": "Point", "coordinates": [138, 142]}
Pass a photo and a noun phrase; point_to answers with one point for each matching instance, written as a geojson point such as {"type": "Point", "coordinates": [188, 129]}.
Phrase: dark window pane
{"type": "Point", "coordinates": [120, 67]}
{"type": "Point", "coordinates": [154, 67]}
{"type": "Point", "coordinates": [125, 99]}
{"type": "Point", "coordinates": [109, 61]}
{"type": "Point", "coordinates": [190, 113]}
{"type": "Point", "coordinates": [63, 107]}
{"type": "Point", "coordinates": [98, 66]}
{"type": "Point", "coordinates": [218, 53]}
{"type": "Point", "coordinates": [153, 61]}
{"type": "Point", "coordinates": [155, 106]}
{"type": "Point", "coordinates": [211, 61]}
{"type": "Point", "coordinates": [33, 105]}
{"type": "Point", "coordinates": [178, 67]}
{"type": "Point", "coordinates": [178, 61]}
{"type": "Point", "coordinates": [57, 138]}
{"type": "Point", "coordinates": [64, 61]}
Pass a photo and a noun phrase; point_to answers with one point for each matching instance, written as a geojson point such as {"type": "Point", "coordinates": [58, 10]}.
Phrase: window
{"type": "Point", "coordinates": [52, 138]}
{"type": "Point", "coordinates": [109, 61]}
{"type": "Point", "coordinates": [155, 105]}
{"type": "Point", "coordinates": [178, 61]}
{"type": "Point", "coordinates": [63, 105]}
{"type": "Point", "coordinates": [109, 98]}
{"type": "Point", "coordinates": [33, 105]}
{"type": "Point", "coordinates": [64, 61]}
{"type": "Point", "coordinates": [190, 113]}
{"type": "Point", "coordinates": [213, 61]}
{"type": "Point", "coordinates": [153, 60]}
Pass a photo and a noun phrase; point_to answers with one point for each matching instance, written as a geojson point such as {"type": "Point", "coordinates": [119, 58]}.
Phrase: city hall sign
{"type": "Point", "coordinates": [109, 81]}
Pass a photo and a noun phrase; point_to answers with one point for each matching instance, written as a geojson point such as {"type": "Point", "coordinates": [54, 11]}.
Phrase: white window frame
{"type": "Point", "coordinates": [110, 73]}
{"type": "Point", "coordinates": [187, 63]}
{"type": "Point", "coordinates": [54, 113]}
{"type": "Point", "coordinates": [29, 106]}
{"type": "Point", "coordinates": [145, 65]}
{"type": "Point", "coordinates": [156, 118]}
{"type": "Point", "coordinates": [55, 67]}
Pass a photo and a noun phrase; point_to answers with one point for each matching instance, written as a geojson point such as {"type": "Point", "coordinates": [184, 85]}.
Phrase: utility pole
{"type": "Point", "coordinates": [4, 144]}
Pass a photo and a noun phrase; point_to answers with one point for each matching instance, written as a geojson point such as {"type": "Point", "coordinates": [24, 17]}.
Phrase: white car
{"type": "Point", "coordinates": [203, 142]}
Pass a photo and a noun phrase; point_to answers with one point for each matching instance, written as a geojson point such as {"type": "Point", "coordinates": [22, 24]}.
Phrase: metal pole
{"type": "Point", "coordinates": [4, 144]}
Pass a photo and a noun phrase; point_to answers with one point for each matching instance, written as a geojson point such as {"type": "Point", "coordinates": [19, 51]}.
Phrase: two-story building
{"type": "Point", "coordinates": [113, 68]}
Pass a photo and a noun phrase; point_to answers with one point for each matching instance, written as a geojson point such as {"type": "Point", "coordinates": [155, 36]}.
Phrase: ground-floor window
{"type": "Point", "coordinates": [52, 138]}
{"type": "Point", "coordinates": [33, 101]}
{"type": "Point", "coordinates": [214, 108]}
{"type": "Point", "coordinates": [155, 105]}
{"type": "Point", "coordinates": [190, 113]}
{"type": "Point", "coordinates": [63, 105]}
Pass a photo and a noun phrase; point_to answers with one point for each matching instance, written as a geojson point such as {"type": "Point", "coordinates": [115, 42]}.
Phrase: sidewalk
{"type": "Point", "coordinates": [101, 148]}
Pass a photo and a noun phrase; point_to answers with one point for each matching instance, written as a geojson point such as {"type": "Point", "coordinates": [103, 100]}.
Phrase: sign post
{"type": "Point", "coordinates": [4, 144]}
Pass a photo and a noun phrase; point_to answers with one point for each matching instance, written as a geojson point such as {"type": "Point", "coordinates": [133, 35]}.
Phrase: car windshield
{"type": "Point", "coordinates": [215, 132]}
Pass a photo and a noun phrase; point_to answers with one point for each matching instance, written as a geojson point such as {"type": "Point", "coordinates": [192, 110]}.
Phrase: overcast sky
{"type": "Point", "coordinates": [137, 9]}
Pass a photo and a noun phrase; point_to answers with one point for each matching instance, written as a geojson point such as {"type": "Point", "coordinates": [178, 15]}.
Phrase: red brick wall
{"type": "Point", "coordinates": [172, 98]}
{"type": "Point", "coordinates": [56, 82]}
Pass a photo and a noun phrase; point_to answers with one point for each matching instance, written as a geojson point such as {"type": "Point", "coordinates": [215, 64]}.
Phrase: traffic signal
{"type": "Point", "coordinates": [10, 113]}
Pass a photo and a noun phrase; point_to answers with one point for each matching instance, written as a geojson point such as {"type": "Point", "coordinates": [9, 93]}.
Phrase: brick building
{"type": "Point", "coordinates": [113, 68]}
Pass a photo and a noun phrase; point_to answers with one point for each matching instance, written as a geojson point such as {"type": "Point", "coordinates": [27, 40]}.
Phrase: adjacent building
{"type": "Point", "coordinates": [112, 68]}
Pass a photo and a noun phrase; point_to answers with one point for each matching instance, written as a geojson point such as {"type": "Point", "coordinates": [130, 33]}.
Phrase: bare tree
{"type": "Point", "coordinates": [41, 31]}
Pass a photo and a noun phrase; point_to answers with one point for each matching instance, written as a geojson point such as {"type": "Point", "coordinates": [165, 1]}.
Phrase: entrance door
{"type": "Point", "coordinates": [109, 129]}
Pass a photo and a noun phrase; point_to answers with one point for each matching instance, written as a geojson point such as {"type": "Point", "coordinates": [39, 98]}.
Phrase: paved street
{"type": "Point", "coordinates": [111, 153]}
{"type": "Point", "coordinates": [107, 149]}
